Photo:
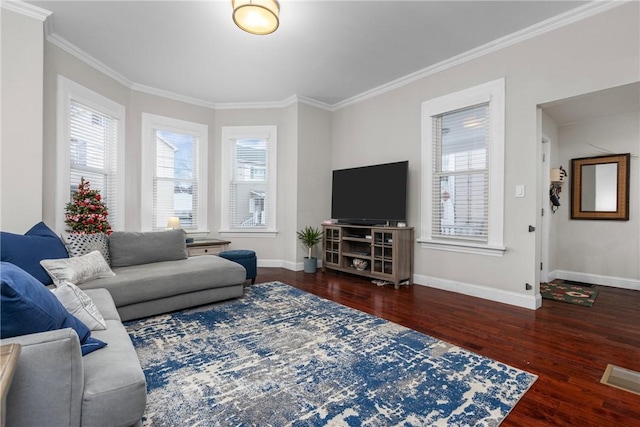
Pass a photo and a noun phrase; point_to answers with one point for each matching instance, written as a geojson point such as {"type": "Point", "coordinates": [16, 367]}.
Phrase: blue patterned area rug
{"type": "Point", "coordinates": [283, 357]}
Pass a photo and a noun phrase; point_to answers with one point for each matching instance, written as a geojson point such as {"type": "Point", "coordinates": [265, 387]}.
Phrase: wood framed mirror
{"type": "Point", "coordinates": [600, 187]}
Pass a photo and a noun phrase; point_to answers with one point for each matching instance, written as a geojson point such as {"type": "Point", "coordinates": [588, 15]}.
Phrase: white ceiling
{"type": "Point", "coordinates": [327, 51]}
{"type": "Point", "coordinates": [608, 102]}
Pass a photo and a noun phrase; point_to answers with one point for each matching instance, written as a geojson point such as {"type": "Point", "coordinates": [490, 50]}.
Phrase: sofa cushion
{"type": "Point", "coordinates": [79, 244]}
{"type": "Point", "coordinates": [148, 282]}
{"type": "Point", "coordinates": [132, 248]}
{"type": "Point", "coordinates": [104, 303]}
{"type": "Point", "coordinates": [26, 251]}
{"type": "Point", "coordinates": [28, 307]}
{"type": "Point", "coordinates": [80, 305]}
{"type": "Point", "coordinates": [115, 391]}
{"type": "Point", "coordinates": [77, 269]}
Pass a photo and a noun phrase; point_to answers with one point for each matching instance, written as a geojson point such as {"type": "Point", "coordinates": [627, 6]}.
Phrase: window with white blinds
{"type": "Point", "coordinates": [249, 184]}
{"type": "Point", "coordinates": [174, 173]}
{"type": "Point", "coordinates": [461, 174]}
{"type": "Point", "coordinates": [463, 170]}
{"type": "Point", "coordinates": [249, 179]}
{"type": "Point", "coordinates": [175, 187]}
{"type": "Point", "coordinates": [90, 144]}
{"type": "Point", "coordinates": [93, 153]}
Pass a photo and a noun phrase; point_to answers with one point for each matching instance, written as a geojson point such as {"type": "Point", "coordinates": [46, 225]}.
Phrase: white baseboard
{"type": "Point", "coordinates": [275, 263]}
{"type": "Point", "coordinates": [293, 266]}
{"type": "Point", "coordinates": [280, 263]}
{"type": "Point", "coordinates": [532, 302]}
{"type": "Point", "coordinates": [553, 275]}
{"type": "Point", "coordinates": [596, 279]}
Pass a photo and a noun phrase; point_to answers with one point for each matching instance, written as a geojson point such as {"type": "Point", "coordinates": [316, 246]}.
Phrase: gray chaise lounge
{"type": "Point", "coordinates": [154, 275]}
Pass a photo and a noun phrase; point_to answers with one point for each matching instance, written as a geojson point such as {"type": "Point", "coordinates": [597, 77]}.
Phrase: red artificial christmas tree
{"type": "Point", "coordinates": [87, 214]}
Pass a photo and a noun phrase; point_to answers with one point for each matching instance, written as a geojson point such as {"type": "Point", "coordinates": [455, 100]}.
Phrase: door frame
{"type": "Point", "coordinates": [545, 183]}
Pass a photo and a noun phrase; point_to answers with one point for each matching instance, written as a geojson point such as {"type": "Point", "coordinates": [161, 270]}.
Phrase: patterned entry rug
{"type": "Point", "coordinates": [283, 357]}
{"type": "Point", "coordinates": [566, 292]}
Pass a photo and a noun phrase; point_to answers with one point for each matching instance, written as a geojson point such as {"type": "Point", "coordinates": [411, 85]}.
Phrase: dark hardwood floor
{"type": "Point", "coordinates": [567, 346]}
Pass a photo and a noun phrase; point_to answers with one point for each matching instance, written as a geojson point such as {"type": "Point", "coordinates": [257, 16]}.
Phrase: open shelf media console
{"type": "Point", "coordinates": [388, 251]}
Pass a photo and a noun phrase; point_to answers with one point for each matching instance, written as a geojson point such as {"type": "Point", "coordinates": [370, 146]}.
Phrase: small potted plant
{"type": "Point", "coordinates": [310, 237]}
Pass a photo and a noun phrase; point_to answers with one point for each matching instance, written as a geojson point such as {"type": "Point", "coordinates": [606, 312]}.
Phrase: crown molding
{"type": "Point", "coordinates": [582, 12]}
{"type": "Point", "coordinates": [569, 17]}
{"type": "Point", "coordinates": [170, 95]}
{"type": "Point", "coordinates": [293, 99]}
{"type": "Point", "coordinates": [314, 103]}
{"type": "Point", "coordinates": [26, 9]}
{"type": "Point", "coordinates": [255, 105]}
{"type": "Point", "coordinates": [63, 44]}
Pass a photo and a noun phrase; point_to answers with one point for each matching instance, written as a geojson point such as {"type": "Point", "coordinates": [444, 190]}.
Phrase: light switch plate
{"type": "Point", "coordinates": [519, 190]}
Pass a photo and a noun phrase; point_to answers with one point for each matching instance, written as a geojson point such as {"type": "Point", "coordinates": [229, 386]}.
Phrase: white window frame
{"type": "Point", "coordinates": [68, 91]}
{"type": "Point", "coordinates": [150, 122]}
{"type": "Point", "coordinates": [494, 93]}
{"type": "Point", "coordinates": [229, 135]}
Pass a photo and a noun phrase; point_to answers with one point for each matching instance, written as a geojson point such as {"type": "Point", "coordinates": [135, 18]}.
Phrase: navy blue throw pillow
{"type": "Point", "coordinates": [92, 344]}
{"type": "Point", "coordinates": [39, 243]}
{"type": "Point", "coordinates": [27, 307]}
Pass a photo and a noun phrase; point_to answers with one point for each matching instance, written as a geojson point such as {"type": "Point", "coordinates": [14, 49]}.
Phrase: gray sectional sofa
{"type": "Point", "coordinates": [153, 275]}
{"type": "Point", "coordinates": [55, 385]}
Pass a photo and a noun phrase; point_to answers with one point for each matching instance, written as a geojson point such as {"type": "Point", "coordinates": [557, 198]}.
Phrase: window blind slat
{"type": "Point", "coordinates": [249, 183]}
{"type": "Point", "coordinates": [175, 189]}
{"type": "Point", "coordinates": [93, 152]}
{"type": "Point", "coordinates": [461, 174]}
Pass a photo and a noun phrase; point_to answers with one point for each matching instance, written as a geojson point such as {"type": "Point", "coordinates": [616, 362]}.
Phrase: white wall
{"type": "Point", "coordinates": [600, 248]}
{"type": "Point", "coordinates": [21, 158]}
{"type": "Point", "coordinates": [599, 52]}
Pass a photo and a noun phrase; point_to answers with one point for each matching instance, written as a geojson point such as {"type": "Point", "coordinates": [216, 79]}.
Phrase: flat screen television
{"type": "Point", "coordinates": [370, 195]}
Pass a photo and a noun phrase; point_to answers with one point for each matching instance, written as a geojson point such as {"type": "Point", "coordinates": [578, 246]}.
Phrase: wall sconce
{"type": "Point", "coordinates": [256, 16]}
{"type": "Point", "coordinates": [174, 222]}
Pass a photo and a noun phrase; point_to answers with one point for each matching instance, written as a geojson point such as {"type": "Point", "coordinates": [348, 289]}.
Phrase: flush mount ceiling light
{"type": "Point", "coordinates": [256, 16]}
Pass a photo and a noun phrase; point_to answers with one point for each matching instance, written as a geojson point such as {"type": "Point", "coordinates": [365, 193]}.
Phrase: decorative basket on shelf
{"type": "Point", "coordinates": [360, 264]}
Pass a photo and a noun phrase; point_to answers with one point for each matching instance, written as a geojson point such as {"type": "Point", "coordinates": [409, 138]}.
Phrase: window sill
{"type": "Point", "coordinates": [248, 233]}
{"type": "Point", "coordinates": [463, 247]}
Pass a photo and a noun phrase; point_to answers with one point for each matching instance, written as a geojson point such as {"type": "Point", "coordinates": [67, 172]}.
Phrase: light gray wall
{"type": "Point", "coordinates": [267, 248]}
{"type": "Point", "coordinates": [314, 173]}
{"type": "Point", "coordinates": [599, 52]}
{"type": "Point", "coordinates": [58, 62]}
{"type": "Point", "coordinates": [144, 103]}
{"type": "Point", "coordinates": [605, 248]}
{"type": "Point", "coordinates": [21, 158]}
{"type": "Point", "coordinates": [593, 54]}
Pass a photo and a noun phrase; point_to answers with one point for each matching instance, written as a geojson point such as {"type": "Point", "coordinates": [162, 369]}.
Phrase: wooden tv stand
{"type": "Point", "coordinates": [388, 251]}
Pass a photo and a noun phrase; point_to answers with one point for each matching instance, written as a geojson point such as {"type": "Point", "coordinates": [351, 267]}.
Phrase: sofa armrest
{"type": "Point", "coordinates": [48, 383]}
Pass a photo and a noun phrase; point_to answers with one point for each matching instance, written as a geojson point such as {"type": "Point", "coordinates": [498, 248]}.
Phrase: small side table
{"type": "Point", "coordinates": [207, 247]}
{"type": "Point", "coordinates": [9, 354]}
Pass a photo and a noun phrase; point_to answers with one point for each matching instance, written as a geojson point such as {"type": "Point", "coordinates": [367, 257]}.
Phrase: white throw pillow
{"type": "Point", "coordinates": [77, 269]}
{"type": "Point", "coordinates": [80, 305]}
